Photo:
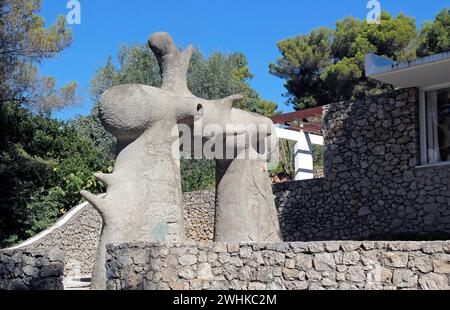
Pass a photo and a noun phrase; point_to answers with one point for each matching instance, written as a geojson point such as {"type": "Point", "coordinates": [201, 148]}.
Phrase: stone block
{"type": "Point", "coordinates": [403, 278]}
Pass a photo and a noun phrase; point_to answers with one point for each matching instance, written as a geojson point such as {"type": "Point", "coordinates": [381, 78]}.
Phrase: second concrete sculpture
{"type": "Point", "coordinates": [245, 204]}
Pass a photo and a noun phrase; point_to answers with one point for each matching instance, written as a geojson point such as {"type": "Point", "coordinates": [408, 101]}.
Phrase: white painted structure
{"type": "Point", "coordinates": [430, 75]}
{"type": "Point", "coordinates": [303, 150]}
{"type": "Point", "coordinates": [60, 223]}
{"type": "Point", "coordinates": [432, 71]}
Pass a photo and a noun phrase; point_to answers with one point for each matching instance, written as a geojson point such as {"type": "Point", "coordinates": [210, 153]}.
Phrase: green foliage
{"type": "Point", "coordinates": [91, 128]}
{"type": "Point", "coordinates": [435, 37]}
{"type": "Point", "coordinates": [266, 108]}
{"type": "Point", "coordinates": [286, 160]}
{"type": "Point", "coordinates": [24, 41]}
{"type": "Point", "coordinates": [215, 77]}
{"type": "Point", "coordinates": [286, 167]}
{"type": "Point", "coordinates": [318, 156]}
{"type": "Point", "coordinates": [327, 65]}
{"type": "Point", "coordinates": [44, 163]}
{"type": "Point", "coordinates": [197, 174]}
{"type": "Point", "coordinates": [223, 75]}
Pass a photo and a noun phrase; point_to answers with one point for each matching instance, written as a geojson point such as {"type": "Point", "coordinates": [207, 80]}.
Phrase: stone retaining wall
{"type": "Point", "coordinates": [199, 209]}
{"type": "Point", "coordinates": [79, 236]}
{"type": "Point", "coordinates": [299, 206]}
{"type": "Point", "coordinates": [31, 269]}
{"type": "Point", "coordinates": [291, 266]}
{"type": "Point", "coordinates": [373, 187]}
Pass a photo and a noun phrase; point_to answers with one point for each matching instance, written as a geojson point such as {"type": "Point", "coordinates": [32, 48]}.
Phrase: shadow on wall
{"type": "Point", "coordinates": [302, 218]}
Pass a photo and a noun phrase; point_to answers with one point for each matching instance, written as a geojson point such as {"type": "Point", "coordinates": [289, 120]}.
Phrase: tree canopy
{"type": "Point", "coordinates": [44, 163]}
{"type": "Point", "coordinates": [435, 36]}
{"type": "Point", "coordinates": [24, 43]}
{"type": "Point", "coordinates": [327, 65]}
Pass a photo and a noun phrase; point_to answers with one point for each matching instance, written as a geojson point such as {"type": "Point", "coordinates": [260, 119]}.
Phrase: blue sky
{"type": "Point", "coordinates": [249, 26]}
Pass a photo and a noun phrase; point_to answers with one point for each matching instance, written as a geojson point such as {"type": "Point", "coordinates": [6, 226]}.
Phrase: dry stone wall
{"type": "Point", "coordinates": [373, 187]}
{"type": "Point", "coordinates": [291, 266]}
{"type": "Point", "coordinates": [79, 237]}
{"type": "Point", "coordinates": [31, 269]}
{"type": "Point", "coordinates": [199, 208]}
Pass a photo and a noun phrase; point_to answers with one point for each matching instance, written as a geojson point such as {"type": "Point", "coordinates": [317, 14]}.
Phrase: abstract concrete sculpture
{"type": "Point", "coordinates": [143, 200]}
{"type": "Point", "coordinates": [245, 204]}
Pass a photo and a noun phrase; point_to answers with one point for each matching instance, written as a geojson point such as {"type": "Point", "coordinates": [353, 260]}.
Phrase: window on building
{"type": "Point", "coordinates": [435, 126]}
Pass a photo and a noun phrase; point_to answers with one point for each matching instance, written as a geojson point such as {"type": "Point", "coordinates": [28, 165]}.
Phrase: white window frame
{"type": "Point", "coordinates": [423, 123]}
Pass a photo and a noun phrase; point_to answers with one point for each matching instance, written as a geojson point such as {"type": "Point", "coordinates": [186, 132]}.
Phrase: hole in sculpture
{"type": "Point", "coordinates": [200, 108]}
